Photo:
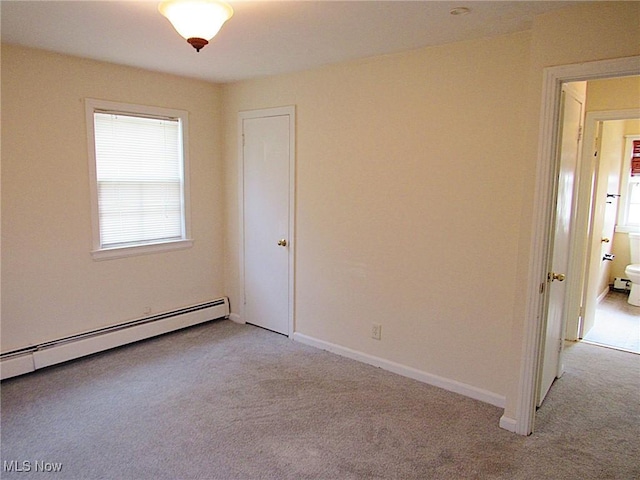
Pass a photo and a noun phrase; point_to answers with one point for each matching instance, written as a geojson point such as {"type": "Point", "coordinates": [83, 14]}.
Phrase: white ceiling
{"type": "Point", "coordinates": [262, 38]}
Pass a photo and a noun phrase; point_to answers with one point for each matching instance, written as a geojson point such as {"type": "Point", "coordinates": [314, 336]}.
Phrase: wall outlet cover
{"type": "Point", "coordinates": [376, 331]}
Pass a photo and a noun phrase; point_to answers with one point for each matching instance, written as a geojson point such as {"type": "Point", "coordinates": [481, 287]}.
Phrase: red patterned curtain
{"type": "Point", "coordinates": [635, 159]}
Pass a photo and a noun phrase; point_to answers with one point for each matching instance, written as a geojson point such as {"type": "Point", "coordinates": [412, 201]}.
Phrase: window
{"type": "Point", "coordinates": [629, 215]}
{"type": "Point", "coordinates": [139, 175]}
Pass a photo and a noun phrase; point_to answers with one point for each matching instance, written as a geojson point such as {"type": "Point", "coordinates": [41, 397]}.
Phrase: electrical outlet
{"type": "Point", "coordinates": [376, 331]}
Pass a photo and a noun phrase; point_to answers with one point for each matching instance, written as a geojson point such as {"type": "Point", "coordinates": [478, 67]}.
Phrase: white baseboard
{"type": "Point", "coordinates": [234, 317]}
{"type": "Point", "coordinates": [59, 351]}
{"type": "Point", "coordinates": [435, 380]}
{"type": "Point", "coordinates": [603, 294]}
{"type": "Point", "coordinates": [18, 365]}
{"type": "Point", "coordinates": [508, 424]}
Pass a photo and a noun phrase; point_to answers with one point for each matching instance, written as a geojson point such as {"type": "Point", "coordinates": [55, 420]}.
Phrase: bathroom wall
{"type": "Point", "coordinates": [605, 216]}
{"type": "Point", "coordinates": [615, 94]}
{"type": "Point", "coordinates": [621, 239]}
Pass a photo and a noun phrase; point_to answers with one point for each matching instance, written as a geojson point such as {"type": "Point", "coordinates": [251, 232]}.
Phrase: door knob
{"type": "Point", "coordinates": [605, 240]}
{"type": "Point", "coordinates": [556, 276]}
{"type": "Point", "coordinates": [282, 242]}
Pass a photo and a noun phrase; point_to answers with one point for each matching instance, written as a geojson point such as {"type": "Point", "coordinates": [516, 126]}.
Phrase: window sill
{"type": "Point", "coordinates": [627, 229]}
{"type": "Point", "coordinates": [121, 252]}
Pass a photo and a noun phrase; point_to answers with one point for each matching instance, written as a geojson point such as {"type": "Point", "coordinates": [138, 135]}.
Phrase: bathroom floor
{"type": "Point", "coordinates": [617, 324]}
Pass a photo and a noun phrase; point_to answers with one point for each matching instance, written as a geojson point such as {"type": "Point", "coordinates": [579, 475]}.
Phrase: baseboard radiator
{"type": "Point", "coordinates": [32, 358]}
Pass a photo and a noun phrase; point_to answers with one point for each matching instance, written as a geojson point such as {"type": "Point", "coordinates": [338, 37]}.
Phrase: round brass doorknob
{"type": "Point", "coordinates": [282, 242]}
{"type": "Point", "coordinates": [557, 276]}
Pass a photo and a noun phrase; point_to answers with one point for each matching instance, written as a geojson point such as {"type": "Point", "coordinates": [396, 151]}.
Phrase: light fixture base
{"type": "Point", "coordinates": [197, 43]}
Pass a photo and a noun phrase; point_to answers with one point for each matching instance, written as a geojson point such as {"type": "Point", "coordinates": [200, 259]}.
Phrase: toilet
{"type": "Point", "coordinates": [632, 272]}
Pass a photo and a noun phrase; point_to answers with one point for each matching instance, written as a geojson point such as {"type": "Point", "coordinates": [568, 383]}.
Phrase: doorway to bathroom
{"type": "Point", "coordinates": [539, 273]}
{"type": "Point", "coordinates": [608, 319]}
{"type": "Point", "coordinates": [598, 311]}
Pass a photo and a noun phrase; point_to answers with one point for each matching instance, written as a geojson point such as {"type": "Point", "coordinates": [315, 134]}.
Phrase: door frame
{"type": "Point", "coordinates": [540, 242]}
{"type": "Point", "coordinates": [289, 110]}
{"type": "Point", "coordinates": [590, 175]}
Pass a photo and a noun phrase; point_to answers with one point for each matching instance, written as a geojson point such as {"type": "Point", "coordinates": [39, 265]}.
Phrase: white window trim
{"type": "Point", "coordinates": [621, 227]}
{"type": "Point", "coordinates": [99, 253]}
{"type": "Point", "coordinates": [121, 252]}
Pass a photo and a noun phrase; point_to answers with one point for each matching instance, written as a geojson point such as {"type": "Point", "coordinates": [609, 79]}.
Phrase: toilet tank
{"type": "Point", "coordinates": [634, 247]}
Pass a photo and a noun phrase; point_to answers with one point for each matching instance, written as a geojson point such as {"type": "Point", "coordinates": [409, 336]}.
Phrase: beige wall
{"type": "Point", "coordinates": [416, 178]}
{"type": "Point", "coordinates": [613, 94]}
{"type": "Point", "coordinates": [582, 33]}
{"type": "Point", "coordinates": [51, 287]}
{"type": "Point", "coordinates": [408, 201]}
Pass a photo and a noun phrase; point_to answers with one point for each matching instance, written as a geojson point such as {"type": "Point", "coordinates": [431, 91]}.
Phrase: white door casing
{"type": "Point", "coordinates": [523, 420]}
{"type": "Point", "coordinates": [266, 181]}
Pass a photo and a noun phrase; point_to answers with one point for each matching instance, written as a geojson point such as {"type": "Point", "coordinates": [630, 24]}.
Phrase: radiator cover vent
{"type": "Point", "coordinates": [45, 354]}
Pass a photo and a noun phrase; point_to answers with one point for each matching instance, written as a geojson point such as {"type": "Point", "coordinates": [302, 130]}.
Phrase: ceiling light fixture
{"type": "Point", "coordinates": [196, 20]}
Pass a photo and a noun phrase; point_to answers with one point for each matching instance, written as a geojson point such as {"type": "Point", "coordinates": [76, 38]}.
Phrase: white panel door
{"type": "Point", "coordinates": [266, 221]}
{"type": "Point", "coordinates": [572, 115]}
{"type": "Point", "coordinates": [605, 209]}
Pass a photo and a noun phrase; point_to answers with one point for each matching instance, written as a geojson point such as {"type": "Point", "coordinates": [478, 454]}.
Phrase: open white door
{"type": "Point", "coordinates": [267, 223]}
{"type": "Point", "coordinates": [605, 202]}
{"type": "Point", "coordinates": [572, 109]}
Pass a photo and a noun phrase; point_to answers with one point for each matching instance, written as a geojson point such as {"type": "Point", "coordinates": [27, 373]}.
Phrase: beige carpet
{"type": "Point", "coordinates": [227, 401]}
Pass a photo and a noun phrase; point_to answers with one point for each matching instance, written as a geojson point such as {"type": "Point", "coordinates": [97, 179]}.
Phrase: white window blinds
{"type": "Point", "coordinates": [139, 175]}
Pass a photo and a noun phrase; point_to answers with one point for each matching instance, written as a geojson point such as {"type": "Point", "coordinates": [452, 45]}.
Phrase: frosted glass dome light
{"type": "Point", "coordinates": [198, 21]}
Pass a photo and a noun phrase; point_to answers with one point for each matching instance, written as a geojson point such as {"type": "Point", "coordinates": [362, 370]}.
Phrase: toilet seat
{"type": "Point", "coordinates": [633, 269]}
{"type": "Point", "coordinates": [633, 272]}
